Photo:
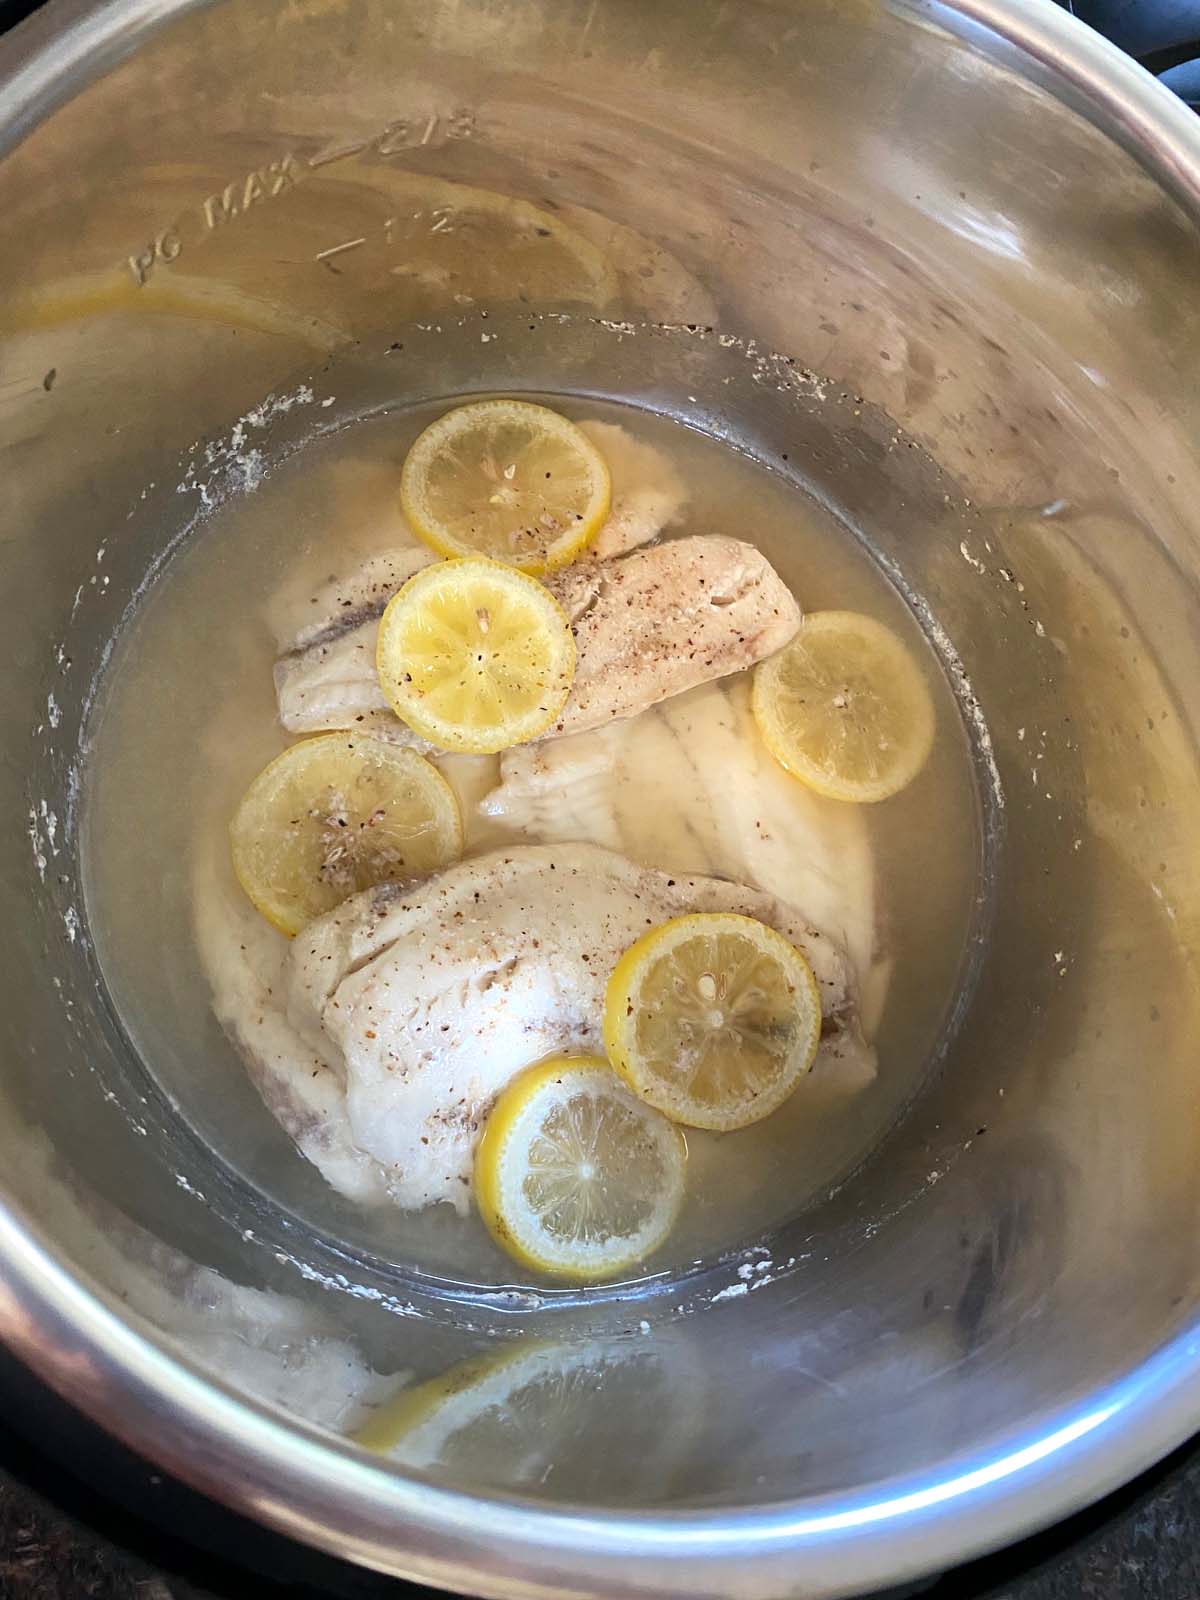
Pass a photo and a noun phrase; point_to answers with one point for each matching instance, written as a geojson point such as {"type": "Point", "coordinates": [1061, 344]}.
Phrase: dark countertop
{"type": "Point", "coordinates": [44, 1555]}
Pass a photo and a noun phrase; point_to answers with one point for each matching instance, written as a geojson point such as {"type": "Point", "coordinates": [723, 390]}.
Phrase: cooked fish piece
{"type": "Point", "coordinates": [326, 672]}
{"type": "Point", "coordinates": [647, 625]}
{"type": "Point", "coordinates": [327, 678]}
{"type": "Point", "coordinates": [359, 506]}
{"type": "Point", "coordinates": [245, 959]}
{"type": "Point", "coordinates": [657, 622]}
{"type": "Point", "coordinates": [733, 812]}
{"type": "Point", "coordinates": [648, 494]}
{"type": "Point", "coordinates": [425, 1000]}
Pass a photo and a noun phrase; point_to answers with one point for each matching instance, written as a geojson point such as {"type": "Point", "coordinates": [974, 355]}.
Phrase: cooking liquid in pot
{"type": "Point", "coordinates": [189, 717]}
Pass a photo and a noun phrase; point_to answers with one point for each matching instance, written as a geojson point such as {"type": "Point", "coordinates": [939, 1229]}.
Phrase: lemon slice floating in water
{"type": "Point", "coordinates": [475, 656]}
{"type": "Point", "coordinates": [573, 1176]}
{"type": "Point", "coordinates": [336, 814]}
{"type": "Point", "coordinates": [712, 1018]}
{"type": "Point", "coordinates": [845, 708]}
{"type": "Point", "coordinates": [506, 479]}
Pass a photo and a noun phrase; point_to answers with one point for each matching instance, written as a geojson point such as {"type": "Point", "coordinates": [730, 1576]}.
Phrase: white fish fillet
{"type": "Point", "coordinates": [359, 506]}
{"type": "Point", "coordinates": [732, 811]}
{"type": "Point", "coordinates": [647, 492]}
{"type": "Point", "coordinates": [244, 959]}
{"type": "Point", "coordinates": [325, 677]}
{"type": "Point", "coordinates": [425, 1000]}
{"type": "Point", "coordinates": [647, 625]}
{"type": "Point", "coordinates": [657, 622]}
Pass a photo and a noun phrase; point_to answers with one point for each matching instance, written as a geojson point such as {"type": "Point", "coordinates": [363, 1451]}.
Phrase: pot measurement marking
{"type": "Point", "coordinates": [234, 200]}
{"type": "Point", "coordinates": [263, 184]}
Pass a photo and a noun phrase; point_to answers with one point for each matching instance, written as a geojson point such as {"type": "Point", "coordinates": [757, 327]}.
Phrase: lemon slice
{"type": "Point", "coordinates": [565, 1419]}
{"type": "Point", "coordinates": [845, 708]}
{"type": "Point", "coordinates": [424, 1421]}
{"type": "Point", "coordinates": [712, 1018]}
{"type": "Point", "coordinates": [336, 814]}
{"type": "Point", "coordinates": [475, 656]}
{"type": "Point", "coordinates": [509, 480]}
{"type": "Point", "coordinates": [573, 1176]}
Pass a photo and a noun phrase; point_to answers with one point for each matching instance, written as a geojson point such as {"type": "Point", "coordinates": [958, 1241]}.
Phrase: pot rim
{"type": "Point", "coordinates": [290, 1476]}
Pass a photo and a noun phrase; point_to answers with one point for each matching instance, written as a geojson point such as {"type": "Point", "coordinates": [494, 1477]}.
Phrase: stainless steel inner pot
{"type": "Point", "coordinates": [949, 254]}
